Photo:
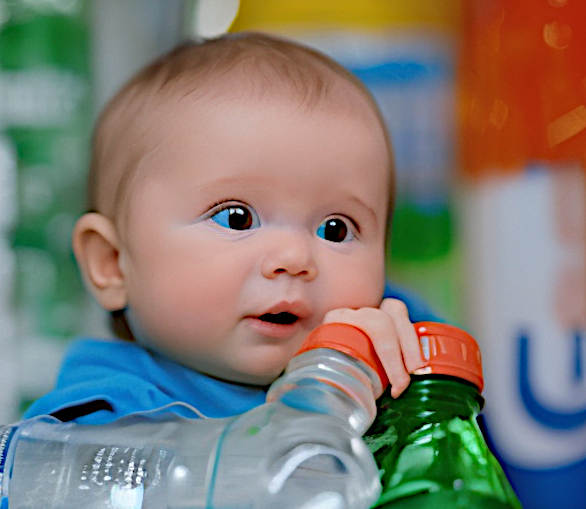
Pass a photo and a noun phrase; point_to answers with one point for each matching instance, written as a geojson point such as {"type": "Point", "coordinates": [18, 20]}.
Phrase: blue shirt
{"type": "Point", "coordinates": [102, 380]}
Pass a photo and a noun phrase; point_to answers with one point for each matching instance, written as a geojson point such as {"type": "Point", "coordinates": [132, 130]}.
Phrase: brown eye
{"type": "Point", "coordinates": [335, 230]}
{"type": "Point", "coordinates": [239, 218]}
{"type": "Point", "coordinates": [236, 217]}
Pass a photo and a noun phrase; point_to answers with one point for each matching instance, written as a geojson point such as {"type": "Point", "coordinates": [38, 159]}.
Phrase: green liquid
{"type": "Point", "coordinates": [446, 500]}
{"type": "Point", "coordinates": [431, 453]}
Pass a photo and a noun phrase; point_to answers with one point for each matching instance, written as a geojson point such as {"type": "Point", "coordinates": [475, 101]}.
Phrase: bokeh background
{"type": "Point", "coordinates": [485, 101]}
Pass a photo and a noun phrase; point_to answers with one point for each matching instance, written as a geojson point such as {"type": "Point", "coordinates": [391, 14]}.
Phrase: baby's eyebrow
{"type": "Point", "coordinates": [364, 205]}
{"type": "Point", "coordinates": [230, 182]}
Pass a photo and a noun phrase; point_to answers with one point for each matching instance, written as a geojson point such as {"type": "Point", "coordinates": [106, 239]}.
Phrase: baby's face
{"type": "Point", "coordinates": [246, 224]}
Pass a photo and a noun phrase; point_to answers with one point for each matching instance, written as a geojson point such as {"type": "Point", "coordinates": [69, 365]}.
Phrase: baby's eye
{"type": "Point", "coordinates": [236, 217]}
{"type": "Point", "coordinates": [335, 229]}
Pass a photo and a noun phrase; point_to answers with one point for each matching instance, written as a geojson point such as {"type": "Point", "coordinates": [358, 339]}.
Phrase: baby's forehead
{"type": "Point", "coordinates": [239, 87]}
{"type": "Point", "coordinates": [141, 121]}
{"type": "Point", "coordinates": [309, 87]}
{"type": "Point", "coordinates": [274, 154]}
{"type": "Point", "coordinates": [226, 104]}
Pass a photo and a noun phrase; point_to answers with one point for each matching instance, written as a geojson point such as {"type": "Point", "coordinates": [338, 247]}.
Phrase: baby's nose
{"type": "Point", "coordinates": [289, 254]}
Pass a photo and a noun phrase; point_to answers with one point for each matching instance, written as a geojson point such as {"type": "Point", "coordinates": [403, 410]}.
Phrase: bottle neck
{"type": "Point", "coordinates": [324, 380]}
{"type": "Point", "coordinates": [430, 450]}
{"type": "Point", "coordinates": [432, 398]}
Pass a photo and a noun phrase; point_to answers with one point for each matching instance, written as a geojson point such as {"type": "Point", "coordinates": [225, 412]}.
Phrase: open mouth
{"type": "Point", "coordinates": [284, 318]}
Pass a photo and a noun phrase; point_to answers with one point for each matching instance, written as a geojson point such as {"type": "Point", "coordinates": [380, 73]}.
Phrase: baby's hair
{"type": "Point", "coordinates": [267, 65]}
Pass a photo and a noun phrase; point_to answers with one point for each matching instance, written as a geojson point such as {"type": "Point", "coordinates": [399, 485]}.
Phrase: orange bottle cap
{"type": "Point", "coordinates": [347, 339]}
{"type": "Point", "coordinates": [449, 350]}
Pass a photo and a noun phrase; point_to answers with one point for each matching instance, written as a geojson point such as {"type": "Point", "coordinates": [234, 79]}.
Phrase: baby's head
{"type": "Point", "coordinates": [240, 189]}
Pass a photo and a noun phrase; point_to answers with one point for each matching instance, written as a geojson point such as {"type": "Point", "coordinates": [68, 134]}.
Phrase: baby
{"type": "Point", "coordinates": [240, 193]}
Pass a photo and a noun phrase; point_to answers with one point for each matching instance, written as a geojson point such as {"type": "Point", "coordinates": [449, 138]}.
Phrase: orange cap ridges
{"type": "Point", "coordinates": [449, 350]}
{"type": "Point", "coordinates": [346, 339]}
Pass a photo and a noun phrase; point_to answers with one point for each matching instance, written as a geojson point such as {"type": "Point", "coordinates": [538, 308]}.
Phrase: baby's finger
{"type": "Point", "coordinates": [385, 340]}
{"type": "Point", "coordinates": [378, 326]}
{"type": "Point", "coordinates": [407, 336]}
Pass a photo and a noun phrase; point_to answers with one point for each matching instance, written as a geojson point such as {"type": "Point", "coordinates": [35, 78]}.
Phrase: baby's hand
{"type": "Point", "coordinates": [392, 335]}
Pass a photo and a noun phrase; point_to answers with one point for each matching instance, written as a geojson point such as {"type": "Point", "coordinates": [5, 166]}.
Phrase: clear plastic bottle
{"type": "Point", "coordinates": [301, 449]}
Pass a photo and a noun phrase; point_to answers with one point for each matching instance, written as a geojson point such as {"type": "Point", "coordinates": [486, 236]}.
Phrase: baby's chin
{"type": "Point", "coordinates": [260, 379]}
{"type": "Point", "coordinates": [255, 373]}
{"type": "Point", "coordinates": [250, 371]}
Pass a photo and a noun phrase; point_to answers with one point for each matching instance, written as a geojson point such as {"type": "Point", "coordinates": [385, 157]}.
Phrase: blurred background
{"type": "Point", "coordinates": [485, 101]}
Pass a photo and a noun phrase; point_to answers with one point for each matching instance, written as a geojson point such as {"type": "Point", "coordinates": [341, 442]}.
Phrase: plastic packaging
{"type": "Point", "coordinates": [427, 443]}
{"type": "Point", "coordinates": [301, 449]}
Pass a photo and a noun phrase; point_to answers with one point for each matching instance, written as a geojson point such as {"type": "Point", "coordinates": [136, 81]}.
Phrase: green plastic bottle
{"type": "Point", "coordinates": [427, 443]}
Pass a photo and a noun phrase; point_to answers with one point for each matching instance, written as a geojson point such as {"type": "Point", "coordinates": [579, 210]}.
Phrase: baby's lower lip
{"type": "Point", "coordinates": [272, 330]}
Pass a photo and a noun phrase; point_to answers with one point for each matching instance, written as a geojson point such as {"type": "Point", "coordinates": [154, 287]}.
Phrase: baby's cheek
{"type": "Point", "coordinates": [362, 287]}
{"type": "Point", "coordinates": [190, 298]}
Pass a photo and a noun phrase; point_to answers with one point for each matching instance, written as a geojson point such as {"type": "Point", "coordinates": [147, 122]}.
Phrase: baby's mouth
{"type": "Point", "coordinates": [284, 318]}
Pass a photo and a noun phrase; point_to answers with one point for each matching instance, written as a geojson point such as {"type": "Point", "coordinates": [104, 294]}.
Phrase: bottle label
{"type": "Point", "coordinates": [127, 467]}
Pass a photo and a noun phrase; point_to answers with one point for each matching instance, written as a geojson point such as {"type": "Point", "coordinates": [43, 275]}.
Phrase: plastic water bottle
{"type": "Point", "coordinates": [427, 443]}
{"type": "Point", "coordinates": [301, 449]}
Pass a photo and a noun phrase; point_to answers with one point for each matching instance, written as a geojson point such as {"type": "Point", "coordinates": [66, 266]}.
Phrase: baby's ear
{"type": "Point", "coordinates": [96, 247]}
